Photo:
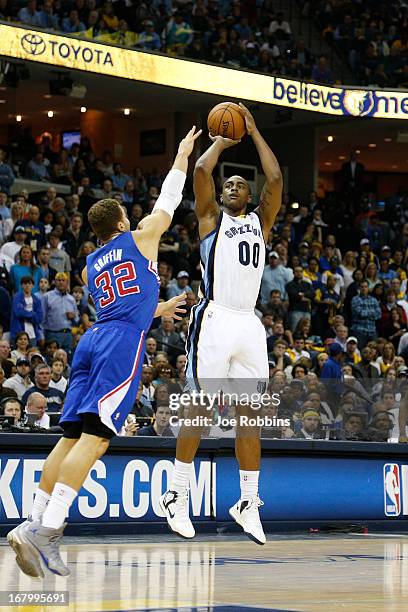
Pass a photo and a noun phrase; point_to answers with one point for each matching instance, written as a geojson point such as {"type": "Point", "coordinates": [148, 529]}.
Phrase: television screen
{"type": "Point", "coordinates": [69, 138]}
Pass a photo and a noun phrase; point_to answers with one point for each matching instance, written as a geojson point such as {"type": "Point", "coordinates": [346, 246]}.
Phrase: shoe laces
{"type": "Point", "coordinates": [253, 504]}
{"type": "Point", "coordinates": [181, 502]}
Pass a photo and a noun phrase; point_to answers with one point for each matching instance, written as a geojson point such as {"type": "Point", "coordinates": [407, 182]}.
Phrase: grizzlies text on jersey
{"type": "Point", "coordinates": [232, 260]}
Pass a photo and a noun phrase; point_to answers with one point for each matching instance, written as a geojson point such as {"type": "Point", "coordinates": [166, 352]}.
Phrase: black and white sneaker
{"type": "Point", "coordinates": [175, 506]}
{"type": "Point", "coordinates": [246, 513]}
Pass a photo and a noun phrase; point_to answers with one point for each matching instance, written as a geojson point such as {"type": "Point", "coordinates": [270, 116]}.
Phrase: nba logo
{"type": "Point", "coordinates": [392, 490]}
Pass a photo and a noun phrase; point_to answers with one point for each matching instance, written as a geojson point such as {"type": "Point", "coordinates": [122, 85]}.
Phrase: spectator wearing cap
{"type": "Point", "coordinates": [352, 354]}
{"type": "Point", "coordinates": [304, 254]}
{"type": "Point", "coordinates": [149, 39]}
{"type": "Point", "coordinates": [365, 248]}
{"type": "Point", "coordinates": [20, 382]}
{"type": "Point", "coordinates": [10, 249]}
{"type": "Point", "coordinates": [179, 286]}
{"type": "Point", "coordinates": [300, 295]}
{"type": "Point", "coordinates": [275, 276]}
{"type": "Point", "coordinates": [42, 377]}
{"type": "Point", "coordinates": [59, 260]}
{"type": "Point", "coordinates": [365, 311]}
{"type": "Point", "coordinates": [26, 312]}
{"type": "Point", "coordinates": [60, 313]}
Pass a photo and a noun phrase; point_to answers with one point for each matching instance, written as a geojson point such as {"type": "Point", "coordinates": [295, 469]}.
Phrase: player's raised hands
{"type": "Point", "coordinates": [249, 120]}
{"type": "Point", "coordinates": [187, 144]}
{"type": "Point", "coordinates": [226, 142]}
{"type": "Point", "coordinates": [172, 308]}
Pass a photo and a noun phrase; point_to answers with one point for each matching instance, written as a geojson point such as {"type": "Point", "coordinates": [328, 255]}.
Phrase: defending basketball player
{"type": "Point", "coordinates": [226, 339]}
{"type": "Point", "coordinates": [123, 281]}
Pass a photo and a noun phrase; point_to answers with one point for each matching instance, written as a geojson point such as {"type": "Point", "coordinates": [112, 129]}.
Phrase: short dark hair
{"type": "Point", "coordinates": [26, 279]}
{"type": "Point", "coordinates": [104, 217]}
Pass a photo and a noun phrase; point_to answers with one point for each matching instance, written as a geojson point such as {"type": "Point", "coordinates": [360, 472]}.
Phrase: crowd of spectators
{"type": "Point", "coordinates": [244, 34]}
{"type": "Point", "coordinates": [333, 300]}
{"type": "Point", "coordinates": [372, 36]}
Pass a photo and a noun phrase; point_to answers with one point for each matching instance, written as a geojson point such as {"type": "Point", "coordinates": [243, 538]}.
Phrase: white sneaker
{"type": "Point", "coordinates": [26, 559]}
{"type": "Point", "coordinates": [246, 513]}
{"type": "Point", "coordinates": [175, 506]}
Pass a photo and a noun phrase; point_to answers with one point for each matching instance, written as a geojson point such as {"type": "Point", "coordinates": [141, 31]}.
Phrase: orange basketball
{"type": "Point", "coordinates": [226, 120]}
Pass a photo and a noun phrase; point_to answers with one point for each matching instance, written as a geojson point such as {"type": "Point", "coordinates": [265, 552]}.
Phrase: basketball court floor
{"type": "Point", "coordinates": [359, 573]}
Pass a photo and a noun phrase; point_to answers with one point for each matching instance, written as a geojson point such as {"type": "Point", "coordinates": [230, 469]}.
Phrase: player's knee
{"type": "Point", "coordinates": [102, 446]}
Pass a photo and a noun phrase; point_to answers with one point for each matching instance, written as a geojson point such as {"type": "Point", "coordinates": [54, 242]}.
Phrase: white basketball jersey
{"type": "Point", "coordinates": [232, 261]}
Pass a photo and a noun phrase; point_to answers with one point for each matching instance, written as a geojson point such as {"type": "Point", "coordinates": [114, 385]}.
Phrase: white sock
{"type": "Point", "coordinates": [181, 476]}
{"type": "Point", "coordinates": [58, 506]}
{"type": "Point", "coordinates": [249, 483]}
{"type": "Point", "coordinates": [41, 500]}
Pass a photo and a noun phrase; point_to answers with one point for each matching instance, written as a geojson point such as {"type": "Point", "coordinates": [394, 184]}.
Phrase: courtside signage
{"type": "Point", "coordinates": [125, 489]}
{"type": "Point", "coordinates": [117, 488]}
{"type": "Point", "coordinates": [82, 54]}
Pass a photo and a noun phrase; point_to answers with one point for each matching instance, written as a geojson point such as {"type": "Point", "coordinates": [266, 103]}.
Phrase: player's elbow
{"type": "Point", "coordinates": [201, 169]}
{"type": "Point", "coordinates": [275, 178]}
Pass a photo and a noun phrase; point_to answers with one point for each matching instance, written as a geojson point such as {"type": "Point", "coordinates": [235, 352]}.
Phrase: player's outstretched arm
{"type": "Point", "coordinates": [206, 207]}
{"type": "Point", "coordinates": [150, 229]}
{"type": "Point", "coordinates": [271, 195]}
{"type": "Point", "coordinates": [172, 308]}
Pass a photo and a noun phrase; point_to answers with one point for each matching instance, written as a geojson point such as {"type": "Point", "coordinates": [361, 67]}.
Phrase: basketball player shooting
{"type": "Point", "coordinates": [226, 339]}
{"type": "Point", "coordinates": [123, 281]}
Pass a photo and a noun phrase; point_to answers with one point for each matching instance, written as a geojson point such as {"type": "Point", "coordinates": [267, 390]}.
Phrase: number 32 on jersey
{"type": "Point", "coordinates": [117, 283]}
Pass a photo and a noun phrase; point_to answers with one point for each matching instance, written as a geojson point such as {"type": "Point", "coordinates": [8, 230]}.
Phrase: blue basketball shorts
{"type": "Point", "coordinates": [105, 375]}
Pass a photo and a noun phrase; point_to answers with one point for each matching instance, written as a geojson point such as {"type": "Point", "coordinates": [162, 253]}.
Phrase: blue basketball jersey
{"type": "Point", "coordinates": [123, 283]}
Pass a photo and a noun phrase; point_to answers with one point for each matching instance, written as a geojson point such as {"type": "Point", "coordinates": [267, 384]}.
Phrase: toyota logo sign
{"type": "Point", "coordinates": [33, 44]}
